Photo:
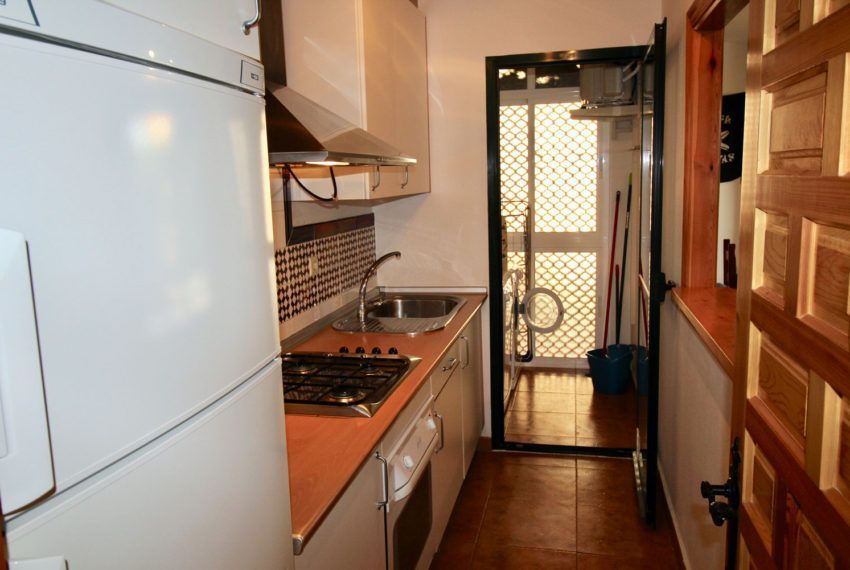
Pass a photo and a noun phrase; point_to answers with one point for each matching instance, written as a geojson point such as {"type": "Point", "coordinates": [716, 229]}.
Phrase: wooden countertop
{"type": "Point", "coordinates": [325, 452]}
{"type": "Point", "coordinates": [711, 311]}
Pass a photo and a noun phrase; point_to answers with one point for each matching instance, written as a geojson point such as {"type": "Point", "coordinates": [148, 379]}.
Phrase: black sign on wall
{"type": "Point", "coordinates": [731, 136]}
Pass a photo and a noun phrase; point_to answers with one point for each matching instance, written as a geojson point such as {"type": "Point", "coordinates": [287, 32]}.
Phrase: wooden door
{"type": "Point", "coordinates": [791, 405]}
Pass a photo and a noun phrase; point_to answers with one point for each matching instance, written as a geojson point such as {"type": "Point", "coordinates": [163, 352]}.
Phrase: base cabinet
{"type": "Point", "coordinates": [352, 536]}
{"type": "Point", "coordinates": [447, 463]}
{"type": "Point", "coordinates": [469, 353]}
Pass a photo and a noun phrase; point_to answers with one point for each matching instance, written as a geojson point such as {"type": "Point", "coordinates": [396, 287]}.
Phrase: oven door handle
{"type": "Point", "coordinates": [402, 493]}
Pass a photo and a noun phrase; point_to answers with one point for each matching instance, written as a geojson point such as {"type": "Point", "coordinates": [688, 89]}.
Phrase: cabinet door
{"type": "Point", "coordinates": [469, 353]}
{"type": "Point", "coordinates": [352, 535]}
{"type": "Point", "coordinates": [217, 21]}
{"type": "Point", "coordinates": [396, 88]}
{"type": "Point", "coordinates": [447, 463]}
{"type": "Point", "coordinates": [324, 62]}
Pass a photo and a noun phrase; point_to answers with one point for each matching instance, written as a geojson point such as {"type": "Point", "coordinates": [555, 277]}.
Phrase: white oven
{"type": "Point", "coordinates": [409, 506]}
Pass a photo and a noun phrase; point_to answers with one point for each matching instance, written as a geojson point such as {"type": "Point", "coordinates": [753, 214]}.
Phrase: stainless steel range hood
{"type": "Point", "coordinates": [302, 132]}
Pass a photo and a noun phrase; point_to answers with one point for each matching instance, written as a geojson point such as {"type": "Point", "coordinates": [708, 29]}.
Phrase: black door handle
{"type": "Point", "coordinates": [722, 511]}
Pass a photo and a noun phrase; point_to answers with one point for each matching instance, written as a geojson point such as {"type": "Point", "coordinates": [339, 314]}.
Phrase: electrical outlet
{"type": "Point", "coordinates": [313, 265]}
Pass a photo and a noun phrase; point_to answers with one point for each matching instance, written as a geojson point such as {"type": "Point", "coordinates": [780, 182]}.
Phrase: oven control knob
{"type": "Point", "coordinates": [431, 423]}
{"type": "Point", "coordinates": [393, 350]}
{"type": "Point", "coordinates": [407, 461]}
{"type": "Point", "coordinates": [376, 350]}
{"type": "Point", "coordinates": [343, 349]}
{"type": "Point", "coordinates": [360, 350]}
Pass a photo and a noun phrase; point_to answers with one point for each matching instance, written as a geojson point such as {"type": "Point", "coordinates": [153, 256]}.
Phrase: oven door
{"type": "Point", "coordinates": [409, 524]}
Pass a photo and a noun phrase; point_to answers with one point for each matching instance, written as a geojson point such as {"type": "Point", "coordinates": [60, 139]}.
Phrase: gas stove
{"type": "Point", "coordinates": [341, 384]}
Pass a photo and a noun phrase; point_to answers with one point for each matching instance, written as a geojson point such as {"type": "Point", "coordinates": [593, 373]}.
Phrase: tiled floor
{"type": "Point", "coordinates": [558, 406]}
{"type": "Point", "coordinates": [528, 511]}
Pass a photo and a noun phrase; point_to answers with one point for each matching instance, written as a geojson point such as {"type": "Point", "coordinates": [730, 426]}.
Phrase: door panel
{"type": "Point", "coordinates": [792, 384]}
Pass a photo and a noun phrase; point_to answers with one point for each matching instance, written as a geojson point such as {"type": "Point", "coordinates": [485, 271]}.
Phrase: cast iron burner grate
{"type": "Point", "coordinates": [341, 384]}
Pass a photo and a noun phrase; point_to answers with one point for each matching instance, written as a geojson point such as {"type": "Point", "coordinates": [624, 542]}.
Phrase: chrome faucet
{"type": "Point", "coordinates": [361, 310]}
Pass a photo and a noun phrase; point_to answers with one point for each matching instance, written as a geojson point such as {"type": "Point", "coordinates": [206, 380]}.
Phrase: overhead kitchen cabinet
{"type": "Point", "coordinates": [365, 60]}
{"type": "Point", "coordinates": [228, 23]}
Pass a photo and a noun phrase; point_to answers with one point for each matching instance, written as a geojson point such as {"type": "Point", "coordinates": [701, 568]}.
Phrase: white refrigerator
{"type": "Point", "coordinates": [141, 408]}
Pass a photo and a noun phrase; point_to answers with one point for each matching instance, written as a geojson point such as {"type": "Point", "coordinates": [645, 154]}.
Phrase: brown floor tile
{"type": "Point", "coordinates": [611, 531]}
{"type": "Point", "coordinates": [584, 385]}
{"type": "Point", "coordinates": [605, 431]}
{"type": "Point", "coordinates": [607, 406]}
{"type": "Point", "coordinates": [524, 510]}
{"type": "Point", "coordinates": [453, 554]}
{"type": "Point", "coordinates": [540, 423]}
{"type": "Point", "coordinates": [544, 402]}
{"type": "Point", "coordinates": [532, 506]}
{"type": "Point", "coordinates": [551, 460]}
{"type": "Point", "coordinates": [617, 463]}
{"type": "Point", "coordinates": [468, 513]}
{"type": "Point", "coordinates": [613, 489]}
{"type": "Point", "coordinates": [519, 521]}
{"type": "Point", "coordinates": [598, 562]}
{"type": "Point", "coordinates": [515, 558]}
{"type": "Point", "coordinates": [538, 483]}
{"type": "Point", "coordinates": [540, 381]}
{"type": "Point", "coordinates": [541, 439]}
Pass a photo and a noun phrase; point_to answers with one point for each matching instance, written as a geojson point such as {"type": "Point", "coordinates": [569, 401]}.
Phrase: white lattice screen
{"type": "Point", "coordinates": [563, 201]}
{"type": "Point", "coordinates": [572, 276]}
{"type": "Point", "coordinates": [513, 156]}
{"type": "Point", "coordinates": [565, 170]}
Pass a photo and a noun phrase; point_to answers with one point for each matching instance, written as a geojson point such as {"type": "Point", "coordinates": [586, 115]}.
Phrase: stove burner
{"type": "Point", "coordinates": [302, 368]}
{"type": "Point", "coordinates": [370, 370]}
{"type": "Point", "coordinates": [345, 394]}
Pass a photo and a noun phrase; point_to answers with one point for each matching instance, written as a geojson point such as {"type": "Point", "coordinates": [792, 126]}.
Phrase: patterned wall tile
{"type": "Point", "coordinates": [342, 260]}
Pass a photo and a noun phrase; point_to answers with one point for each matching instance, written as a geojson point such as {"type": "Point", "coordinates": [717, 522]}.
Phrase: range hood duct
{"type": "Point", "coordinates": [302, 132]}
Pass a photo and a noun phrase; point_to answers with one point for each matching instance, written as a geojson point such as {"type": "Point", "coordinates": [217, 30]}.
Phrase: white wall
{"type": "Point", "coordinates": [443, 236]}
{"type": "Point", "coordinates": [695, 393]}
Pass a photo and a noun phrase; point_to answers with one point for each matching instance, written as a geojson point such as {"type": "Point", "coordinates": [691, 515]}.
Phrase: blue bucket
{"type": "Point", "coordinates": [610, 373]}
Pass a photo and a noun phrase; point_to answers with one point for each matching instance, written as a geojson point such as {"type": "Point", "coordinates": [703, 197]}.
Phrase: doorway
{"type": "Point", "coordinates": [567, 158]}
{"type": "Point", "coordinates": [562, 162]}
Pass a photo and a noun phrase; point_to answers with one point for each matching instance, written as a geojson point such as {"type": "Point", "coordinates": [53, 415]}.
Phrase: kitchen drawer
{"type": "Point", "coordinates": [444, 369]}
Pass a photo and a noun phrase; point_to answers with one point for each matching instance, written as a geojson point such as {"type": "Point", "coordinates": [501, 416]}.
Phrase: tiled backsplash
{"type": "Point", "coordinates": [342, 258]}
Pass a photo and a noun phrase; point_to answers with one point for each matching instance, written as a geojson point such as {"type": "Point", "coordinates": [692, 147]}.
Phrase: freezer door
{"type": "Point", "coordinates": [211, 494]}
{"type": "Point", "coordinates": [217, 21]}
{"type": "Point", "coordinates": [143, 197]}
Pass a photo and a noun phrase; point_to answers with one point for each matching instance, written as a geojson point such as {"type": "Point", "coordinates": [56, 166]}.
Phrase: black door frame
{"type": "Point", "coordinates": [492, 66]}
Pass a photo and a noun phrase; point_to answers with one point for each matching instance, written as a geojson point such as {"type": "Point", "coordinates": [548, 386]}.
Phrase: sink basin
{"type": "Point", "coordinates": [404, 313]}
{"type": "Point", "coordinates": [412, 308]}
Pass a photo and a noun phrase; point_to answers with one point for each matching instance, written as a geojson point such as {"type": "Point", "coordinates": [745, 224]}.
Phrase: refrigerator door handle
{"type": "Point", "coordinates": [51, 563]}
{"type": "Point", "coordinates": [26, 466]}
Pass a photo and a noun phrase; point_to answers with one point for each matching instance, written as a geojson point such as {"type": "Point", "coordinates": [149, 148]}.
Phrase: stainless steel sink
{"type": "Point", "coordinates": [404, 313]}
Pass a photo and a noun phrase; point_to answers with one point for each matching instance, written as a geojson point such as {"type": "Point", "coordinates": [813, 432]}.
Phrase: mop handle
{"type": "Point", "coordinates": [611, 272]}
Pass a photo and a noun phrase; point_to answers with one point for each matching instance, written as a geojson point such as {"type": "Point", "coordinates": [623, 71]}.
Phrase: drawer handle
{"type": "Point", "coordinates": [452, 363]}
{"type": "Point", "coordinates": [385, 482]}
